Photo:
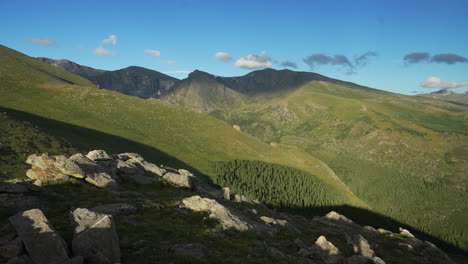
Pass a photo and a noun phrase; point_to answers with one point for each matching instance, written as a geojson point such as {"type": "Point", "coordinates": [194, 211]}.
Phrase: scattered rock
{"type": "Point", "coordinates": [228, 218]}
{"type": "Point", "coordinates": [98, 155]}
{"type": "Point", "coordinates": [185, 172]}
{"type": "Point", "coordinates": [41, 241]}
{"type": "Point", "coordinates": [360, 245]}
{"type": "Point", "coordinates": [226, 193]}
{"type": "Point", "coordinates": [271, 221]}
{"type": "Point", "coordinates": [115, 209]}
{"type": "Point", "coordinates": [405, 232]}
{"type": "Point", "coordinates": [95, 237]}
{"type": "Point", "coordinates": [195, 250]}
{"type": "Point", "coordinates": [329, 253]}
{"type": "Point", "coordinates": [180, 180]}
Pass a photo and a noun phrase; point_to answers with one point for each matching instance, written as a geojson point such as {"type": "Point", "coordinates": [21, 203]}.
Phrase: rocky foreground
{"type": "Point", "coordinates": [225, 222]}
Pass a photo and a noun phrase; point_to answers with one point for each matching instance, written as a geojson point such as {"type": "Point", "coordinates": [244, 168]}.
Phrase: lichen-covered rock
{"type": "Point", "coordinates": [180, 180]}
{"type": "Point", "coordinates": [95, 237]}
{"type": "Point", "coordinates": [227, 217]}
{"type": "Point", "coordinates": [98, 155]}
{"type": "Point", "coordinates": [329, 252]}
{"type": "Point", "coordinates": [42, 243]}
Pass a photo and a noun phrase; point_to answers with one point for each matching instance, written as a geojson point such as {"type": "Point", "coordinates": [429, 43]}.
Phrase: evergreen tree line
{"type": "Point", "coordinates": [276, 185]}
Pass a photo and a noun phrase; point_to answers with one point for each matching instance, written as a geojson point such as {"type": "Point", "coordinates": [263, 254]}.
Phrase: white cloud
{"type": "Point", "coordinates": [436, 82]}
{"type": "Point", "coordinates": [41, 41]}
{"type": "Point", "coordinates": [103, 52]}
{"type": "Point", "coordinates": [177, 72]}
{"type": "Point", "coordinates": [223, 56]}
{"type": "Point", "coordinates": [168, 62]}
{"type": "Point", "coordinates": [156, 53]}
{"type": "Point", "coordinates": [253, 61]}
{"type": "Point", "coordinates": [111, 39]}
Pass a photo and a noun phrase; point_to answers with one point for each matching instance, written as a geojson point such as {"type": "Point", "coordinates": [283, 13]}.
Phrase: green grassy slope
{"type": "Point", "coordinates": [405, 156]}
{"type": "Point", "coordinates": [202, 94]}
{"type": "Point", "coordinates": [193, 138]}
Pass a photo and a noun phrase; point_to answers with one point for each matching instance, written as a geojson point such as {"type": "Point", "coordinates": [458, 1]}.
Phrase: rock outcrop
{"type": "Point", "coordinates": [229, 218]}
{"type": "Point", "coordinates": [41, 242]}
{"type": "Point", "coordinates": [95, 237]}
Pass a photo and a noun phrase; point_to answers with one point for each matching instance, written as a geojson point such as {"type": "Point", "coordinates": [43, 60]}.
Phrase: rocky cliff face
{"type": "Point", "coordinates": [152, 214]}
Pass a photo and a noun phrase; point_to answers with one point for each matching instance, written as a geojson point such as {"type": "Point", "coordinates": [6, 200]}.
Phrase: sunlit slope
{"type": "Point", "coordinates": [405, 156]}
{"type": "Point", "coordinates": [193, 138]}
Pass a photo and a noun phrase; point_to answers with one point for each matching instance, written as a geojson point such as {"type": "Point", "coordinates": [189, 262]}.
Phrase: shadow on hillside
{"type": "Point", "coordinates": [365, 217]}
{"type": "Point", "coordinates": [85, 139]}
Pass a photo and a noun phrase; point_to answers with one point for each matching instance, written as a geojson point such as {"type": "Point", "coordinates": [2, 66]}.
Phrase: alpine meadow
{"type": "Point", "coordinates": [237, 132]}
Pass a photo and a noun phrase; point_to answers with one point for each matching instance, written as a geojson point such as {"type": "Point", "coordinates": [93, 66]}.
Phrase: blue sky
{"type": "Point", "coordinates": [320, 36]}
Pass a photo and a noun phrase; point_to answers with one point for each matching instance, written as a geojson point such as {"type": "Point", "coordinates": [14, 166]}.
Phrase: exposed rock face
{"type": "Point", "coordinates": [328, 251]}
{"type": "Point", "coordinates": [42, 243]}
{"type": "Point", "coordinates": [228, 218]}
{"type": "Point", "coordinates": [405, 232]}
{"type": "Point", "coordinates": [95, 237]}
{"type": "Point", "coordinates": [195, 250]}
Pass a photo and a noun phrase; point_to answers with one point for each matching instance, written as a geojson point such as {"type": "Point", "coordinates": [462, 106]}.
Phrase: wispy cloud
{"type": "Point", "coordinates": [103, 52]}
{"type": "Point", "coordinates": [177, 72]}
{"type": "Point", "coordinates": [254, 61]}
{"type": "Point", "coordinates": [111, 39]}
{"type": "Point", "coordinates": [41, 41]}
{"type": "Point", "coordinates": [223, 56]}
{"type": "Point", "coordinates": [168, 62]}
{"type": "Point", "coordinates": [289, 64]}
{"type": "Point", "coordinates": [436, 82]}
{"type": "Point", "coordinates": [362, 59]}
{"type": "Point", "coordinates": [424, 57]}
{"type": "Point", "coordinates": [156, 53]}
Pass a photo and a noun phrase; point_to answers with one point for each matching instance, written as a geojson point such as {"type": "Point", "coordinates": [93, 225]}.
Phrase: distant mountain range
{"type": "Point", "coordinates": [135, 81]}
{"type": "Point", "coordinates": [447, 95]}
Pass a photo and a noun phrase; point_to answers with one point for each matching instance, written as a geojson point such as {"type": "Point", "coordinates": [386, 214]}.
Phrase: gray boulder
{"type": "Point", "coordinates": [95, 237]}
{"type": "Point", "coordinates": [360, 245]}
{"type": "Point", "coordinates": [180, 180]}
{"type": "Point", "coordinates": [228, 218]}
{"type": "Point", "coordinates": [358, 259]}
{"type": "Point", "coordinates": [98, 155]}
{"type": "Point", "coordinates": [42, 243]}
{"type": "Point", "coordinates": [329, 252]}
{"type": "Point", "coordinates": [226, 193]}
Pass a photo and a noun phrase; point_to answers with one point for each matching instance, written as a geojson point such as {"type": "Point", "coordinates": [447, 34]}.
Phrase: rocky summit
{"type": "Point", "coordinates": [101, 208]}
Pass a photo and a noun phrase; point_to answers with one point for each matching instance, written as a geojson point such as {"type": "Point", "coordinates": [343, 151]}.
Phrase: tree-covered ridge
{"type": "Point", "coordinates": [274, 184]}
